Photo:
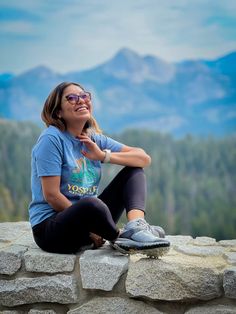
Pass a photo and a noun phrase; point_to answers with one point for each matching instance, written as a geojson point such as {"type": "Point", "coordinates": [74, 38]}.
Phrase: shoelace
{"type": "Point", "coordinates": [144, 224]}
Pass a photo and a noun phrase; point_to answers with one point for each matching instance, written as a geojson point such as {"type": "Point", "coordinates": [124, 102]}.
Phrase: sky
{"type": "Point", "coordinates": [73, 35]}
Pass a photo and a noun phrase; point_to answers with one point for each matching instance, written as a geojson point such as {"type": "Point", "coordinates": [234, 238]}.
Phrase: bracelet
{"type": "Point", "coordinates": [107, 157]}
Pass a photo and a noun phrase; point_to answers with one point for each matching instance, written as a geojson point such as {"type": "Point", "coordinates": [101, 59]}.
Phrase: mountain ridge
{"type": "Point", "coordinates": [130, 90]}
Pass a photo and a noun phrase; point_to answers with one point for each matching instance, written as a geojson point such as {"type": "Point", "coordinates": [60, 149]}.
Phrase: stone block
{"type": "Point", "coordinates": [212, 309]}
{"type": "Point", "coordinates": [179, 239]}
{"type": "Point", "coordinates": [37, 260]}
{"type": "Point", "coordinates": [228, 242]}
{"type": "Point", "coordinates": [26, 239]}
{"type": "Point", "coordinates": [59, 289]}
{"type": "Point", "coordinates": [33, 311]}
{"type": "Point", "coordinates": [11, 312]}
{"type": "Point", "coordinates": [10, 259]}
{"type": "Point", "coordinates": [200, 250]}
{"type": "Point", "coordinates": [170, 281]}
{"type": "Point", "coordinates": [10, 231]}
{"type": "Point", "coordinates": [114, 305]}
{"type": "Point", "coordinates": [229, 282]}
{"type": "Point", "coordinates": [230, 257]}
{"type": "Point", "coordinates": [101, 269]}
{"type": "Point", "coordinates": [204, 241]}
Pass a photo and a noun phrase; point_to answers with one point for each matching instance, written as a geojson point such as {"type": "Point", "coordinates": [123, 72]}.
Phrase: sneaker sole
{"type": "Point", "coordinates": [151, 251]}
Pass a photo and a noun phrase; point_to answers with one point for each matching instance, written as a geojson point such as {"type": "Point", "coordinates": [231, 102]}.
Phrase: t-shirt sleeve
{"type": "Point", "coordinates": [105, 142]}
{"type": "Point", "coordinates": [48, 156]}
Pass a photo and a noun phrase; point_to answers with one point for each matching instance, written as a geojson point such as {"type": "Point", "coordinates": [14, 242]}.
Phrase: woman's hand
{"type": "Point", "coordinates": [94, 152]}
{"type": "Point", "coordinates": [97, 240]}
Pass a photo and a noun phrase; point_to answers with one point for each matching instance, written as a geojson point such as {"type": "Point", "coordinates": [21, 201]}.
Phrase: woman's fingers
{"type": "Point", "coordinates": [98, 241]}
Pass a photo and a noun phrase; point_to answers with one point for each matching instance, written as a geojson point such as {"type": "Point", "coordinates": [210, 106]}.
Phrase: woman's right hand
{"type": "Point", "coordinates": [93, 151]}
{"type": "Point", "coordinates": [97, 240]}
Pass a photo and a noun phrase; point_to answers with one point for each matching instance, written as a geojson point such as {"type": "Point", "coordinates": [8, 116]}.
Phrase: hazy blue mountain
{"type": "Point", "coordinates": [130, 90]}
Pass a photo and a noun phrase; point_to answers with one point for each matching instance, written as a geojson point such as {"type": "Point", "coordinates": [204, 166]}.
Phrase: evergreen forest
{"type": "Point", "coordinates": [191, 183]}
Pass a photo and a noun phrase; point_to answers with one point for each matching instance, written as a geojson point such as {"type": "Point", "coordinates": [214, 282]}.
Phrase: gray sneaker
{"type": "Point", "coordinates": [137, 237]}
{"type": "Point", "coordinates": [156, 230]}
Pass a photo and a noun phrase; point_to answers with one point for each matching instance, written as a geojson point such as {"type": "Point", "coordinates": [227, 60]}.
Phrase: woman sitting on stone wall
{"type": "Point", "coordinates": [66, 212]}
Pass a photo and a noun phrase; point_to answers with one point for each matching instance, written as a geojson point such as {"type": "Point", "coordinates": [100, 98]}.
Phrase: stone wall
{"type": "Point", "coordinates": [197, 276]}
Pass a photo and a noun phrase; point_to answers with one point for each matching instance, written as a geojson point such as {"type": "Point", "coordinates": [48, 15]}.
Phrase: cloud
{"type": "Point", "coordinates": [83, 33]}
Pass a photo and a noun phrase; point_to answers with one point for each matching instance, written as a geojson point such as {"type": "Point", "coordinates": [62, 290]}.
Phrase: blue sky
{"type": "Point", "coordinates": [68, 35]}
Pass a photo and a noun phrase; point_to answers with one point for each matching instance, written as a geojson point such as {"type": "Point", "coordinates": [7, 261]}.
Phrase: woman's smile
{"type": "Point", "coordinates": [82, 107]}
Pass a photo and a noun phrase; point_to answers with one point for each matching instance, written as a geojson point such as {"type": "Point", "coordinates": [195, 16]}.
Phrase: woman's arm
{"type": "Point", "coordinates": [128, 156]}
{"type": "Point", "coordinates": [52, 194]}
{"type": "Point", "coordinates": [131, 156]}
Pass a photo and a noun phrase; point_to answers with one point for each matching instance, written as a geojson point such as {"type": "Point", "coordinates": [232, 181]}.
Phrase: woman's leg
{"type": "Point", "coordinates": [68, 230]}
{"type": "Point", "coordinates": [127, 191]}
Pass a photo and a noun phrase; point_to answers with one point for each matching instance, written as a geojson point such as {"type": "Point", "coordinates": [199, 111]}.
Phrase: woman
{"type": "Point", "coordinates": [66, 212]}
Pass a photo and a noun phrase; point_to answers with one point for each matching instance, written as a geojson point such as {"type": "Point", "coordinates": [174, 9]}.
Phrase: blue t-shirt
{"type": "Point", "coordinates": [58, 153]}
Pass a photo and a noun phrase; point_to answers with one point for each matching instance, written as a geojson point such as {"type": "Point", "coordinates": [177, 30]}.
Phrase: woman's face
{"type": "Point", "coordinates": [74, 108]}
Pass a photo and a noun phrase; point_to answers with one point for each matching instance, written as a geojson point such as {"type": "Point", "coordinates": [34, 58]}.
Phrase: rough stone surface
{"type": "Point", "coordinates": [58, 288]}
{"type": "Point", "coordinates": [37, 260]}
{"type": "Point", "coordinates": [35, 282]}
{"type": "Point", "coordinates": [102, 270]}
{"type": "Point", "coordinates": [229, 282]}
{"type": "Point", "coordinates": [114, 305]}
{"type": "Point", "coordinates": [11, 312]}
{"type": "Point", "coordinates": [228, 242]}
{"type": "Point", "coordinates": [201, 250]}
{"type": "Point", "coordinates": [41, 312]}
{"type": "Point", "coordinates": [10, 259]}
{"type": "Point", "coordinates": [27, 239]}
{"type": "Point", "coordinates": [162, 280]}
{"type": "Point", "coordinates": [13, 230]}
{"type": "Point", "coordinates": [179, 239]}
{"type": "Point", "coordinates": [230, 257]}
{"type": "Point", "coordinates": [213, 309]}
{"type": "Point", "coordinates": [204, 241]}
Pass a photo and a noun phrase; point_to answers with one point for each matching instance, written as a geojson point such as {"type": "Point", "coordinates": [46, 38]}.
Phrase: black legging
{"type": "Point", "coordinates": [67, 231]}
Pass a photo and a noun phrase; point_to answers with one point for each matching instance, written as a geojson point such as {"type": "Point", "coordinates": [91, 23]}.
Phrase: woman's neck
{"type": "Point", "coordinates": [75, 130]}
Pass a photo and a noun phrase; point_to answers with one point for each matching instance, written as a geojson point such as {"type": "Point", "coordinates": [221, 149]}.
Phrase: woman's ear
{"type": "Point", "coordinates": [59, 114]}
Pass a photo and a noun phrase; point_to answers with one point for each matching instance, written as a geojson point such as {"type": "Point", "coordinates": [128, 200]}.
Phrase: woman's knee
{"type": "Point", "coordinates": [94, 205]}
{"type": "Point", "coordinates": [132, 170]}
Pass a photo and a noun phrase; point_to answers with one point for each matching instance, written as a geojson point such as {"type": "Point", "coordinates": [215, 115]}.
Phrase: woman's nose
{"type": "Point", "coordinates": [80, 101]}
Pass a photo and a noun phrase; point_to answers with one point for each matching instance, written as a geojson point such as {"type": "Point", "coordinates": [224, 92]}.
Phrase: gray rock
{"type": "Point", "coordinates": [229, 282]}
{"type": "Point", "coordinates": [33, 311]}
{"type": "Point", "coordinates": [59, 288]}
{"type": "Point", "coordinates": [200, 250]}
{"type": "Point", "coordinates": [114, 305]}
{"type": "Point", "coordinates": [27, 240]}
{"type": "Point", "coordinates": [213, 309]}
{"type": "Point", "coordinates": [10, 259]}
{"type": "Point", "coordinates": [179, 239]}
{"type": "Point", "coordinates": [101, 269]}
{"type": "Point", "coordinates": [10, 231]}
{"type": "Point", "coordinates": [163, 280]}
{"type": "Point", "coordinates": [37, 260]}
{"type": "Point", "coordinates": [228, 242]}
{"type": "Point", "coordinates": [230, 257]}
{"type": "Point", "coordinates": [11, 312]}
{"type": "Point", "coordinates": [204, 241]}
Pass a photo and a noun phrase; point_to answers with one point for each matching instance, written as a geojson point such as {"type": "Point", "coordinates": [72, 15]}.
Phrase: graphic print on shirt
{"type": "Point", "coordinates": [84, 178]}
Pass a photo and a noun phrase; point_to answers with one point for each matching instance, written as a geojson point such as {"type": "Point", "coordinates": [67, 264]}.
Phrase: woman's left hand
{"type": "Point", "coordinates": [93, 151]}
{"type": "Point", "coordinates": [97, 240]}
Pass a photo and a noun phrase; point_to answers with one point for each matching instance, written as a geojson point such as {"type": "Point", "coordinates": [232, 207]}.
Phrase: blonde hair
{"type": "Point", "coordinates": [52, 106]}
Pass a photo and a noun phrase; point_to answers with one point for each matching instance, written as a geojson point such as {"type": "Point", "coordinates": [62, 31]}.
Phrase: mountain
{"type": "Point", "coordinates": [130, 90]}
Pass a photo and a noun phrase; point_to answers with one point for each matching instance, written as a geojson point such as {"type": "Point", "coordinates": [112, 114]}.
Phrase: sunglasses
{"type": "Point", "coordinates": [74, 99]}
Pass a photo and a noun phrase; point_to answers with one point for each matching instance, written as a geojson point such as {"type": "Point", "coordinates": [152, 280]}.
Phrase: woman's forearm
{"type": "Point", "coordinates": [134, 158]}
{"type": "Point", "coordinates": [58, 201]}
